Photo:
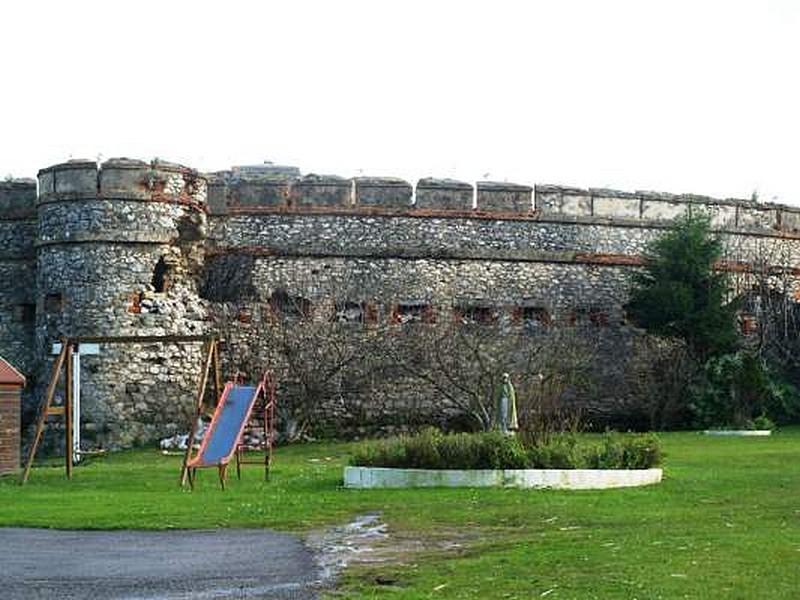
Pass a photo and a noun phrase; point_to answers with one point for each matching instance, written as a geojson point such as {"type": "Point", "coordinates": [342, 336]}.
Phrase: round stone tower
{"type": "Point", "coordinates": [120, 252]}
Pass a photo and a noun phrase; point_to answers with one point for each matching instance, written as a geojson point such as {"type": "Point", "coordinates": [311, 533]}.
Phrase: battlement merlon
{"type": "Point", "coordinates": [495, 196]}
{"type": "Point", "coordinates": [123, 179]}
{"type": "Point", "coordinates": [18, 199]}
{"type": "Point", "coordinates": [383, 192]}
{"type": "Point", "coordinates": [659, 207]}
{"type": "Point", "coordinates": [444, 194]}
{"type": "Point", "coordinates": [283, 188]}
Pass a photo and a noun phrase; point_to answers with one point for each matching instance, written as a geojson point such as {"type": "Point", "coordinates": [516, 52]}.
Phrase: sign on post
{"type": "Point", "coordinates": [86, 350]}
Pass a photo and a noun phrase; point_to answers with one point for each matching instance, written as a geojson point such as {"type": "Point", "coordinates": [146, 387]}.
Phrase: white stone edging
{"type": "Point", "coordinates": [739, 432]}
{"type": "Point", "coordinates": [567, 479]}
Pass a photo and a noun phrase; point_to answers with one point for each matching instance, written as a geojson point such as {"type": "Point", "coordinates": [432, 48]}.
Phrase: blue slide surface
{"type": "Point", "coordinates": [226, 426]}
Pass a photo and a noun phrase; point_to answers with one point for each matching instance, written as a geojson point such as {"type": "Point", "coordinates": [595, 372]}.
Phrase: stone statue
{"type": "Point", "coordinates": [505, 406]}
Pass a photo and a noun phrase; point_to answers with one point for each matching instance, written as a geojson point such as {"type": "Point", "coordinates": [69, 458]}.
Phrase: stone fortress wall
{"type": "Point", "coordinates": [153, 248]}
{"type": "Point", "coordinates": [554, 249]}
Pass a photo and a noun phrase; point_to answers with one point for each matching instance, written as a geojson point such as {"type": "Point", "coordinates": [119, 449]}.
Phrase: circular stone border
{"type": "Point", "coordinates": [563, 479]}
{"type": "Point", "coordinates": [739, 432]}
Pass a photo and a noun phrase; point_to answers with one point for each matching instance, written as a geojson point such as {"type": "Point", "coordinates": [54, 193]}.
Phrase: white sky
{"type": "Point", "coordinates": [681, 96]}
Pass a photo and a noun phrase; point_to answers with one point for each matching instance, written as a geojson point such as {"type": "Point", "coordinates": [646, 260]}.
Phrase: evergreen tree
{"type": "Point", "coordinates": [680, 294]}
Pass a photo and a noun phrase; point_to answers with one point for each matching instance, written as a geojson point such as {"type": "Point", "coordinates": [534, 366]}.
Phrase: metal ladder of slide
{"type": "Point", "coordinates": [261, 427]}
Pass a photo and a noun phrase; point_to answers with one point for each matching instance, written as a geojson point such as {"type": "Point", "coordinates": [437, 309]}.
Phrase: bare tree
{"type": "Point", "coordinates": [462, 363]}
{"type": "Point", "coordinates": [321, 362]}
{"type": "Point", "coordinates": [768, 288]}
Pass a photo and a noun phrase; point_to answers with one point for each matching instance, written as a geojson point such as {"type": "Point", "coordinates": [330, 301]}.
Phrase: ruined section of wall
{"type": "Point", "coordinates": [18, 272]}
{"type": "Point", "coordinates": [120, 252]}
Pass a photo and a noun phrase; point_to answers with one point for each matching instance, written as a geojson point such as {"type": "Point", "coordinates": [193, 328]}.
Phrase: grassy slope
{"type": "Point", "coordinates": [725, 523]}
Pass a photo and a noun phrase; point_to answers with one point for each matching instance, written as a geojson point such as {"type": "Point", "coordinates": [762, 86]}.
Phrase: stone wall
{"type": "Point", "coordinates": [557, 256]}
{"type": "Point", "coordinates": [359, 298]}
{"type": "Point", "coordinates": [462, 237]}
{"type": "Point", "coordinates": [17, 271]}
{"type": "Point", "coordinates": [126, 248]}
{"type": "Point", "coordinates": [442, 285]}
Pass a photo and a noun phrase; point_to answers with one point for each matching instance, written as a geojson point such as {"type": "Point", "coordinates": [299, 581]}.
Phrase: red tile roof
{"type": "Point", "coordinates": [9, 375]}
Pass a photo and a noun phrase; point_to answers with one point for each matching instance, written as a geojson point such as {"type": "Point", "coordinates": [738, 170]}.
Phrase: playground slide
{"type": "Point", "coordinates": [227, 424]}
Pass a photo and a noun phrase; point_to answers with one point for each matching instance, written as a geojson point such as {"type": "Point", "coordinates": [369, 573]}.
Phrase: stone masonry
{"type": "Point", "coordinates": [130, 247]}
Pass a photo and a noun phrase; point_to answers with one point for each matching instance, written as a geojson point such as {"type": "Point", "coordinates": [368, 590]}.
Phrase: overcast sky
{"type": "Point", "coordinates": [695, 96]}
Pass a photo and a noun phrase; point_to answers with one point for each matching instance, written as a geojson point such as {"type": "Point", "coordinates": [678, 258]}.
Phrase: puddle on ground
{"type": "Point", "coordinates": [336, 548]}
{"type": "Point", "coordinates": [367, 540]}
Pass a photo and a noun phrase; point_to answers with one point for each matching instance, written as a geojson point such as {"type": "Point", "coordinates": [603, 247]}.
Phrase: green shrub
{"type": "Point", "coordinates": [423, 450]}
{"type": "Point", "coordinates": [381, 453]}
{"type": "Point", "coordinates": [461, 448]}
{"type": "Point", "coordinates": [503, 451]}
{"type": "Point", "coordinates": [617, 451]}
{"type": "Point", "coordinates": [432, 449]}
{"type": "Point", "coordinates": [562, 451]}
{"type": "Point", "coordinates": [738, 388]}
{"type": "Point", "coordinates": [763, 422]}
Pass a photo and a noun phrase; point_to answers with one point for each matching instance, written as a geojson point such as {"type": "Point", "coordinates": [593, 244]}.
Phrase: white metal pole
{"type": "Point", "coordinates": [76, 404]}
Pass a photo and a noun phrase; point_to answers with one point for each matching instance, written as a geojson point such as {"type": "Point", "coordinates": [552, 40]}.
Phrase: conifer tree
{"type": "Point", "coordinates": [679, 293]}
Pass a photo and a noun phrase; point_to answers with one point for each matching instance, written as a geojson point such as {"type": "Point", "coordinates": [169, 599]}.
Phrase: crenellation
{"type": "Point", "coordinates": [663, 209]}
{"type": "Point", "coordinates": [444, 194]}
{"type": "Point", "coordinates": [789, 218]}
{"type": "Point", "coordinates": [258, 193]}
{"type": "Point", "coordinates": [320, 191]}
{"type": "Point", "coordinates": [131, 179]}
{"type": "Point", "coordinates": [125, 178]}
{"type": "Point", "coordinates": [255, 187]}
{"type": "Point", "coordinates": [605, 205]}
{"type": "Point", "coordinates": [616, 205]}
{"type": "Point", "coordinates": [18, 199]}
{"type": "Point", "coordinates": [722, 216]}
{"type": "Point", "coordinates": [75, 178]}
{"type": "Point", "coordinates": [496, 196]}
{"type": "Point", "coordinates": [382, 192]}
{"type": "Point", "coordinates": [562, 201]}
{"type": "Point", "coordinates": [756, 218]}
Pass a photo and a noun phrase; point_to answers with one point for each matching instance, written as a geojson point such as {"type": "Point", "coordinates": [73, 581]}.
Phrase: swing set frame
{"type": "Point", "coordinates": [69, 345]}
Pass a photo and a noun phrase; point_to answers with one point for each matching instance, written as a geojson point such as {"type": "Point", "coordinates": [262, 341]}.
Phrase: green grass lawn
{"type": "Point", "coordinates": [725, 523]}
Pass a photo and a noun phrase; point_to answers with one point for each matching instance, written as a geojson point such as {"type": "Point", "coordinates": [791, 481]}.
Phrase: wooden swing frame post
{"type": "Point", "coordinates": [64, 361]}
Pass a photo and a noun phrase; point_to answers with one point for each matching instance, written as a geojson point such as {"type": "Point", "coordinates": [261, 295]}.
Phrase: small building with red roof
{"type": "Point", "coordinates": [11, 384]}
